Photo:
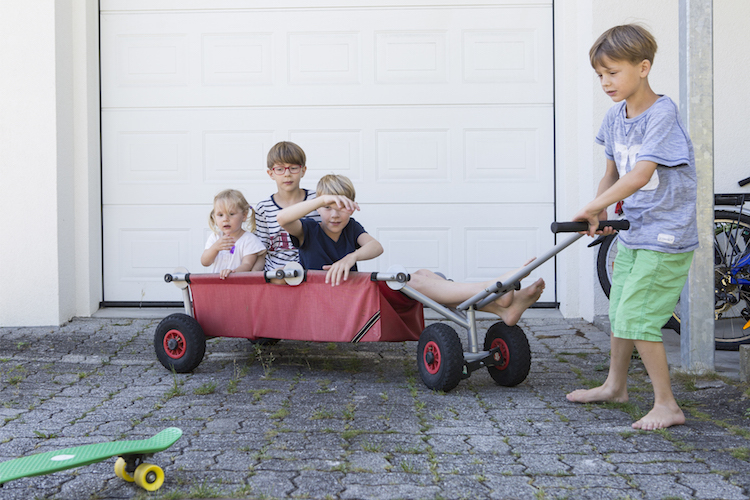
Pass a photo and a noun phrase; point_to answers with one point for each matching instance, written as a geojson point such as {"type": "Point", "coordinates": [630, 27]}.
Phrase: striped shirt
{"type": "Point", "coordinates": [278, 243]}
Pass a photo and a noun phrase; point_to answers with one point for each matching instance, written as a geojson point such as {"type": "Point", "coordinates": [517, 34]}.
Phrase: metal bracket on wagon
{"type": "Point", "coordinates": [292, 273]}
{"type": "Point", "coordinates": [396, 277]}
{"type": "Point", "coordinates": [483, 359]}
{"type": "Point", "coordinates": [180, 277]}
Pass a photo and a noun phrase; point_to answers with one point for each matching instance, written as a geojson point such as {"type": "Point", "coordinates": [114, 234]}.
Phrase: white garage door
{"type": "Point", "coordinates": [440, 113]}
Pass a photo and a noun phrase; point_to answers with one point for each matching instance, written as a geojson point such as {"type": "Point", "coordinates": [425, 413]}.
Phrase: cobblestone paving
{"type": "Point", "coordinates": [341, 421]}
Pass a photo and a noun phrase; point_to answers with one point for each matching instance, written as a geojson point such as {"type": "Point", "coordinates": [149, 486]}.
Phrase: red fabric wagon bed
{"type": "Point", "coordinates": [359, 310]}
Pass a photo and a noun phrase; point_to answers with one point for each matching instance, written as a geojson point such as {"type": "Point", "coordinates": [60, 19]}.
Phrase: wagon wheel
{"type": "Point", "coordinates": [440, 357]}
{"type": "Point", "coordinates": [513, 357]}
{"type": "Point", "coordinates": [179, 343]}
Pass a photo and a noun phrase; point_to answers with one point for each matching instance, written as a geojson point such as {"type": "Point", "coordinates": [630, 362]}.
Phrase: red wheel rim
{"type": "Point", "coordinates": [178, 344]}
{"type": "Point", "coordinates": [434, 367]}
{"type": "Point", "coordinates": [503, 352]}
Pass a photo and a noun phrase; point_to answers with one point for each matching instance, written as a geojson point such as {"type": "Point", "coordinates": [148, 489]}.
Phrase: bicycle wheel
{"type": "Point", "coordinates": [605, 263]}
{"type": "Point", "coordinates": [732, 293]}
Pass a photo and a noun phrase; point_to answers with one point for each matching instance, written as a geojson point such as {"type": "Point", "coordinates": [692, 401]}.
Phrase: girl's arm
{"type": "Point", "coordinates": [260, 263]}
{"type": "Point", "coordinates": [369, 248]}
{"type": "Point", "coordinates": [612, 189]}
{"type": "Point", "coordinates": [248, 262]}
{"type": "Point", "coordinates": [209, 255]}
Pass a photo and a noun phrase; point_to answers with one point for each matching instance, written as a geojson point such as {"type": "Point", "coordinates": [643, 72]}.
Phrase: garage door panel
{"type": "Point", "coordinates": [475, 242]}
{"type": "Point", "coordinates": [440, 112]}
{"type": "Point", "coordinates": [467, 242]}
{"type": "Point", "coordinates": [144, 243]}
{"type": "Point", "coordinates": [376, 55]}
{"type": "Point", "coordinates": [448, 153]}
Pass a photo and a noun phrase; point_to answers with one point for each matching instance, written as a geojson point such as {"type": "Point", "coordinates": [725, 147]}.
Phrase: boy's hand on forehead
{"type": "Point", "coordinates": [341, 202]}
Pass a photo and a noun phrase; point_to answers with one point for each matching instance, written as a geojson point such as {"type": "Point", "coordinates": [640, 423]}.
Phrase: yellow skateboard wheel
{"type": "Point", "coordinates": [149, 477]}
{"type": "Point", "coordinates": [121, 472]}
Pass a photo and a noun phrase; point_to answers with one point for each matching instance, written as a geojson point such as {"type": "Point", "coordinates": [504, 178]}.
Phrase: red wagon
{"type": "Point", "coordinates": [376, 307]}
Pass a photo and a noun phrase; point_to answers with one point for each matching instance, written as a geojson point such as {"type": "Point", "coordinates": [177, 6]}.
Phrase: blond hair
{"type": "Point", "coordinates": [231, 198]}
{"type": "Point", "coordinates": [286, 152]}
{"type": "Point", "coordinates": [629, 42]}
{"type": "Point", "coordinates": [336, 184]}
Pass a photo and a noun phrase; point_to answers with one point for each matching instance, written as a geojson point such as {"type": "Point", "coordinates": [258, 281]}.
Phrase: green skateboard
{"type": "Point", "coordinates": [129, 466]}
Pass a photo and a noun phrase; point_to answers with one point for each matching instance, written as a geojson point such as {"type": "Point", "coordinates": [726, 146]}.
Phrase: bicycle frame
{"type": "Point", "coordinates": [740, 268]}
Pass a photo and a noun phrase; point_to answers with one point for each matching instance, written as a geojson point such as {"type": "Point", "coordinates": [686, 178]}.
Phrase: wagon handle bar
{"type": "Point", "coordinates": [574, 227]}
{"type": "Point", "coordinates": [512, 283]}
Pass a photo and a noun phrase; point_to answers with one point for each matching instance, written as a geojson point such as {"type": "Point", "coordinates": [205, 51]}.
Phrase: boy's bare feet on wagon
{"type": "Point", "coordinates": [661, 417]}
{"type": "Point", "coordinates": [522, 300]}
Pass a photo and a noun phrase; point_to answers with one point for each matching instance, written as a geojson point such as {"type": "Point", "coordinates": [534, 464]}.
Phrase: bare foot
{"type": "Point", "coordinates": [522, 299]}
{"type": "Point", "coordinates": [661, 417]}
{"type": "Point", "coordinates": [598, 395]}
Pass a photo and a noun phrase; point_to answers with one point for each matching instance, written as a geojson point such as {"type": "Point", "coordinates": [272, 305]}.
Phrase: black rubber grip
{"type": "Point", "coordinates": [731, 199]}
{"type": "Point", "coordinates": [744, 181]}
{"type": "Point", "coordinates": [575, 227]}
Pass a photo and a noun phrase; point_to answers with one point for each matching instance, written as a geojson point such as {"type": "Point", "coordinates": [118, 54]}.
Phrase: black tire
{"type": "Point", "coordinates": [440, 357]}
{"type": "Point", "coordinates": [179, 343]}
{"type": "Point", "coordinates": [514, 355]}
{"type": "Point", "coordinates": [605, 260]}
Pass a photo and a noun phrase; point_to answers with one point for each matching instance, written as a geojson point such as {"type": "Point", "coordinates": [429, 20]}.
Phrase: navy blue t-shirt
{"type": "Point", "coordinates": [318, 249]}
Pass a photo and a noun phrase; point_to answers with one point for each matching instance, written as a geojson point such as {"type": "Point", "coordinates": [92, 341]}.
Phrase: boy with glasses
{"type": "Point", "coordinates": [286, 166]}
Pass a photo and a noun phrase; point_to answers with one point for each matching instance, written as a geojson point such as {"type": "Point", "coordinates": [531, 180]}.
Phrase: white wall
{"type": "Point", "coordinates": [731, 100]}
{"type": "Point", "coordinates": [41, 201]}
{"type": "Point", "coordinates": [87, 157]}
{"type": "Point", "coordinates": [29, 165]}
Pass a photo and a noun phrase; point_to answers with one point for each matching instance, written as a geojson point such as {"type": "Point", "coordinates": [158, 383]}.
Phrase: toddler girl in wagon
{"type": "Point", "coordinates": [230, 248]}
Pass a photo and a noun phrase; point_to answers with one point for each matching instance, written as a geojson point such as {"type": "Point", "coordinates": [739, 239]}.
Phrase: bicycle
{"type": "Point", "coordinates": [731, 270]}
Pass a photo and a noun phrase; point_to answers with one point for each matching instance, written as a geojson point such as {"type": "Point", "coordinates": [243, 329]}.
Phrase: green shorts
{"type": "Point", "coordinates": [646, 286]}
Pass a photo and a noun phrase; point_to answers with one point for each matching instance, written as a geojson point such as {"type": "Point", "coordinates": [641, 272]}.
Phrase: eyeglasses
{"type": "Point", "coordinates": [279, 170]}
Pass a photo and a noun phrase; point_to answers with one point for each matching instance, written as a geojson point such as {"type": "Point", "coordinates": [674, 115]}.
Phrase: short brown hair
{"type": "Point", "coordinates": [629, 42]}
{"type": "Point", "coordinates": [336, 184]}
{"type": "Point", "coordinates": [286, 152]}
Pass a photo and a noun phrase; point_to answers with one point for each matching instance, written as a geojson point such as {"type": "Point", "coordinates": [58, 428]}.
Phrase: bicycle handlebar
{"type": "Point", "coordinates": [575, 227]}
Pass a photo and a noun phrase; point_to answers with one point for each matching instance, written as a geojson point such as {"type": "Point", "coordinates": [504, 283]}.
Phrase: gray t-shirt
{"type": "Point", "coordinates": [661, 213]}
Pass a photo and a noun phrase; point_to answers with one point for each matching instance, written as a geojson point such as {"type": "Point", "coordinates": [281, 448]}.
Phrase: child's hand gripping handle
{"type": "Point", "coordinates": [575, 227]}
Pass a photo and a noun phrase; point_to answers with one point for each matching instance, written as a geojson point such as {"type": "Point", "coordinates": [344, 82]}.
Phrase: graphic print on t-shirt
{"type": "Point", "coordinates": [625, 161]}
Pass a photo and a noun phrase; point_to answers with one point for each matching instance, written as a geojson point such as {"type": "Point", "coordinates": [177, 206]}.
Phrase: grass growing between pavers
{"type": "Point", "coordinates": [278, 391]}
{"type": "Point", "coordinates": [641, 397]}
{"type": "Point", "coordinates": [204, 490]}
